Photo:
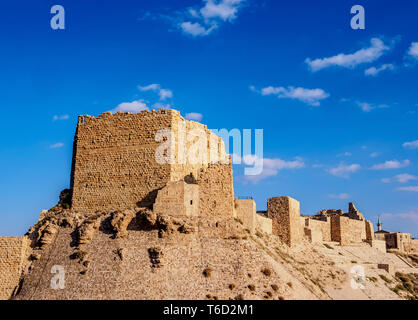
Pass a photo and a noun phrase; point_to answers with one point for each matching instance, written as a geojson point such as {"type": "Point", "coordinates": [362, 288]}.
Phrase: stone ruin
{"type": "Point", "coordinates": [115, 169]}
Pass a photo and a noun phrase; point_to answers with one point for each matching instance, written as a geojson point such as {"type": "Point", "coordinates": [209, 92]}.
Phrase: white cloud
{"type": "Point", "coordinates": [344, 154]}
{"type": "Point", "coordinates": [312, 97]}
{"type": "Point", "coordinates": [413, 50]}
{"type": "Point", "coordinates": [374, 154]}
{"type": "Point", "coordinates": [391, 164]}
{"type": "Point", "coordinates": [210, 16]}
{"type": "Point", "coordinates": [367, 107]}
{"type": "Point", "coordinates": [271, 166]}
{"type": "Point", "coordinates": [194, 116]}
{"type": "Point", "coordinates": [196, 29]}
{"type": "Point", "coordinates": [373, 71]}
{"type": "Point", "coordinates": [411, 144]}
{"type": "Point", "coordinates": [134, 106]}
{"type": "Point", "coordinates": [163, 93]}
{"type": "Point", "coordinates": [339, 196]}
{"type": "Point", "coordinates": [56, 145]}
{"type": "Point", "coordinates": [375, 51]}
{"type": "Point", "coordinates": [411, 216]}
{"type": "Point", "coordinates": [344, 171]}
{"type": "Point", "coordinates": [63, 117]}
{"type": "Point", "coordinates": [412, 189]}
{"type": "Point", "coordinates": [401, 178]}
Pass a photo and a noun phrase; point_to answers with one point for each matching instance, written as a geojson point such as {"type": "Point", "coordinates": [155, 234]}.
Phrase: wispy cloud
{"type": "Point", "coordinates": [271, 166]}
{"type": "Point", "coordinates": [391, 164]}
{"type": "Point", "coordinates": [366, 55]}
{"type": "Point", "coordinates": [344, 170]}
{"type": "Point", "coordinates": [134, 106]}
{"type": "Point", "coordinates": [411, 144]}
{"type": "Point", "coordinates": [56, 145]}
{"type": "Point", "coordinates": [311, 97]}
{"type": "Point", "coordinates": [411, 216]}
{"type": "Point", "coordinates": [344, 154]}
{"type": "Point", "coordinates": [62, 117]}
{"type": "Point", "coordinates": [339, 196]}
{"type": "Point", "coordinates": [367, 107]}
{"type": "Point", "coordinates": [411, 188]}
{"type": "Point", "coordinates": [373, 71]}
{"type": "Point", "coordinates": [374, 154]}
{"type": "Point", "coordinates": [401, 178]}
{"type": "Point", "coordinates": [163, 93]}
{"type": "Point", "coordinates": [194, 116]}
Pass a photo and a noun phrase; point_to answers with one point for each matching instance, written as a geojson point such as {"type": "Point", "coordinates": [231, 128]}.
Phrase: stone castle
{"type": "Point", "coordinates": [115, 170]}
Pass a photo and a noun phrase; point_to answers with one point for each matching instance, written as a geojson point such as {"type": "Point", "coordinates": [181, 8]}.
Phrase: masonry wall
{"type": "Point", "coordinates": [263, 224]}
{"type": "Point", "coordinates": [178, 199]}
{"type": "Point", "coordinates": [323, 226]}
{"type": "Point", "coordinates": [246, 212]}
{"type": "Point", "coordinates": [216, 191]}
{"type": "Point", "coordinates": [13, 251]}
{"type": "Point", "coordinates": [346, 230]}
{"type": "Point", "coordinates": [115, 161]}
{"type": "Point", "coordinates": [286, 223]}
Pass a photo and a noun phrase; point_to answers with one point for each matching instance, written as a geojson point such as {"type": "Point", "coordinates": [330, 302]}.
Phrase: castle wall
{"type": "Point", "coordinates": [369, 230]}
{"type": "Point", "coordinates": [246, 212]}
{"type": "Point", "coordinates": [322, 226]}
{"type": "Point", "coordinates": [263, 223]}
{"type": "Point", "coordinates": [346, 230]}
{"type": "Point", "coordinates": [120, 161]}
{"type": "Point", "coordinates": [13, 251]}
{"type": "Point", "coordinates": [286, 222]}
{"type": "Point", "coordinates": [178, 199]}
{"type": "Point", "coordinates": [216, 191]}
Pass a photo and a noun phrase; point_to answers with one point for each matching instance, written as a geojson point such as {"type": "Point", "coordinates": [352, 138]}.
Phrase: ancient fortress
{"type": "Point", "coordinates": [117, 170]}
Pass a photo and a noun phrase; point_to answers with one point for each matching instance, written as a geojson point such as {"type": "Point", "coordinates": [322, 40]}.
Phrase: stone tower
{"type": "Point", "coordinates": [116, 162]}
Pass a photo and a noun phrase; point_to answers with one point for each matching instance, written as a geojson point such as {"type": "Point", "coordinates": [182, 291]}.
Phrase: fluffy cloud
{"type": "Point", "coordinates": [412, 189]}
{"type": "Point", "coordinates": [271, 166]}
{"type": "Point", "coordinates": [375, 51]}
{"type": "Point", "coordinates": [344, 171]}
{"type": "Point", "coordinates": [134, 106]}
{"type": "Point", "coordinates": [63, 117]}
{"type": "Point", "coordinates": [311, 97]}
{"type": "Point", "coordinates": [411, 144]}
{"type": "Point", "coordinates": [401, 178]}
{"type": "Point", "coordinates": [339, 196]}
{"type": "Point", "coordinates": [194, 116]}
{"type": "Point", "coordinates": [210, 16]}
{"type": "Point", "coordinates": [344, 154]}
{"type": "Point", "coordinates": [391, 164]}
{"type": "Point", "coordinates": [373, 71]}
{"type": "Point", "coordinates": [56, 145]}
{"type": "Point", "coordinates": [413, 50]}
{"type": "Point", "coordinates": [367, 107]}
{"type": "Point", "coordinates": [163, 93]}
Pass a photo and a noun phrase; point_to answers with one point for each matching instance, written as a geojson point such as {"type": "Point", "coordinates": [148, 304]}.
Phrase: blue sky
{"type": "Point", "coordinates": [339, 107]}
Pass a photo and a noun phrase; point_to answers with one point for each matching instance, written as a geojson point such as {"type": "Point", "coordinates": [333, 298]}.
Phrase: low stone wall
{"type": "Point", "coordinates": [263, 223]}
{"type": "Point", "coordinates": [13, 253]}
{"type": "Point", "coordinates": [379, 245]}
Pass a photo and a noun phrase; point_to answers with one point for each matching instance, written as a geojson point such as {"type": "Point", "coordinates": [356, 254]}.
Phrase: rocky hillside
{"type": "Point", "coordinates": [136, 254]}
